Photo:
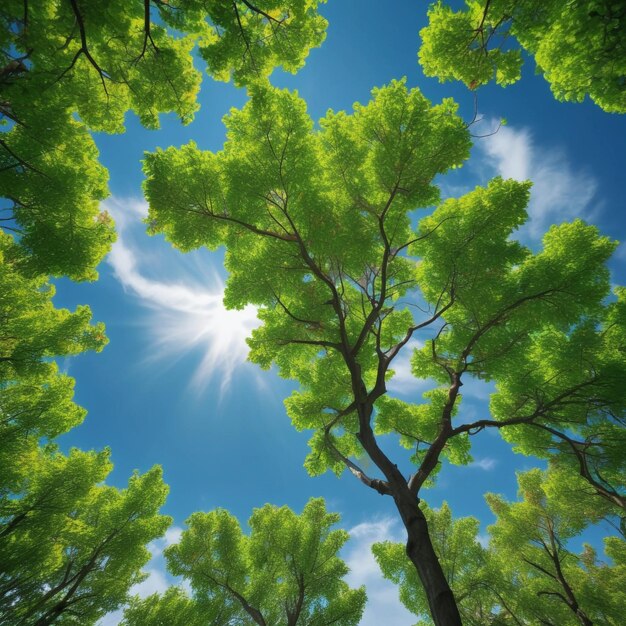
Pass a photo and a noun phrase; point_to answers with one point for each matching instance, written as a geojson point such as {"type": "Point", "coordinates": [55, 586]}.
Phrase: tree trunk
{"type": "Point", "coordinates": [419, 549]}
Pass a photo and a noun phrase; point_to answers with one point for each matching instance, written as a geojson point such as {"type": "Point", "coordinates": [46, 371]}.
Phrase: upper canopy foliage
{"type": "Point", "coordinates": [35, 399]}
{"type": "Point", "coordinates": [531, 543]}
{"type": "Point", "coordinates": [285, 572]}
{"type": "Point", "coordinates": [70, 546]}
{"type": "Point", "coordinates": [69, 66]}
{"type": "Point", "coordinates": [316, 225]}
{"type": "Point", "coordinates": [579, 46]}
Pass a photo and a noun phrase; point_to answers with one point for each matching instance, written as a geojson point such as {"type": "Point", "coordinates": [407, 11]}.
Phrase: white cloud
{"type": "Point", "coordinates": [486, 463]}
{"type": "Point", "coordinates": [403, 381]}
{"type": "Point", "coordinates": [383, 604]}
{"type": "Point", "coordinates": [156, 582]}
{"type": "Point", "coordinates": [559, 193]}
{"type": "Point", "coordinates": [186, 312]}
{"type": "Point", "coordinates": [172, 535]}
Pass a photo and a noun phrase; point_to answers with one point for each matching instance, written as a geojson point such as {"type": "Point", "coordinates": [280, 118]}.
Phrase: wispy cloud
{"type": "Point", "coordinates": [185, 313]}
{"type": "Point", "coordinates": [486, 463]}
{"type": "Point", "coordinates": [383, 604]}
{"type": "Point", "coordinates": [559, 193]}
{"type": "Point", "coordinates": [403, 381]}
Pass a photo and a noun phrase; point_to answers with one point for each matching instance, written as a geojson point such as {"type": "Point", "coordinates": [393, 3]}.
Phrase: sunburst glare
{"type": "Point", "coordinates": [186, 314]}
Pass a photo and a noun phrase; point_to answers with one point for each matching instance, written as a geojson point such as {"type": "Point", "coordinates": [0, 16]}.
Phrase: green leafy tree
{"type": "Point", "coordinates": [33, 330]}
{"type": "Point", "coordinates": [70, 546]}
{"type": "Point", "coordinates": [285, 572]}
{"type": "Point", "coordinates": [316, 228]}
{"type": "Point", "coordinates": [527, 575]}
{"type": "Point", "coordinates": [555, 585]}
{"type": "Point", "coordinates": [573, 375]}
{"type": "Point", "coordinates": [244, 41]}
{"type": "Point", "coordinates": [580, 47]}
{"type": "Point", "coordinates": [70, 66]}
{"type": "Point", "coordinates": [480, 592]}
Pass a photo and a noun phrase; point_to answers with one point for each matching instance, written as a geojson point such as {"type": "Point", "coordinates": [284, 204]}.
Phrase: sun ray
{"type": "Point", "coordinates": [185, 314]}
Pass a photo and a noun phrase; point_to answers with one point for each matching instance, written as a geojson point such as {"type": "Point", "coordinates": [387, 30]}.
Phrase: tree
{"type": "Point", "coordinates": [316, 229]}
{"type": "Point", "coordinates": [527, 575]}
{"type": "Point", "coordinates": [70, 66]}
{"type": "Point", "coordinates": [580, 48]}
{"type": "Point", "coordinates": [285, 572]}
{"type": "Point", "coordinates": [36, 400]}
{"type": "Point", "coordinates": [482, 594]}
{"type": "Point", "coordinates": [70, 546]}
{"type": "Point", "coordinates": [33, 330]}
{"type": "Point", "coordinates": [585, 433]}
{"type": "Point", "coordinates": [244, 41]}
{"type": "Point", "coordinates": [556, 586]}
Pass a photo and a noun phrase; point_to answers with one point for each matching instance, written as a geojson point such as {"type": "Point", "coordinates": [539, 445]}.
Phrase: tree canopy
{"type": "Point", "coordinates": [321, 233]}
{"type": "Point", "coordinates": [462, 559]}
{"type": "Point", "coordinates": [70, 66]}
{"type": "Point", "coordinates": [532, 539]}
{"type": "Point", "coordinates": [580, 47]}
{"type": "Point", "coordinates": [174, 608]}
{"type": "Point", "coordinates": [70, 546]}
{"type": "Point", "coordinates": [36, 400]}
{"type": "Point", "coordinates": [318, 234]}
{"type": "Point", "coordinates": [285, 572]}
{"type": "Point", "coordinates": [528, 573]}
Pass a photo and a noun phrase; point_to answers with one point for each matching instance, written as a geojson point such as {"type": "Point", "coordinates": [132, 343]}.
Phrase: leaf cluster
{"type": "Point", "coordinates": [286, 571]}
{"type": "Point", "coordinates": [579, 46]}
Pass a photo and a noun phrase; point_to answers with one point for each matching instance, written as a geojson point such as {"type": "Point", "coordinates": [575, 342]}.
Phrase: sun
{"type": "Point", "coordinates": [185, 314]}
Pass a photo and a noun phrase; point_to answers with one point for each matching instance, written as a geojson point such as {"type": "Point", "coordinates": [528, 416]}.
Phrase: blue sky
{"type": "Point", "coordinates": [173, 387]}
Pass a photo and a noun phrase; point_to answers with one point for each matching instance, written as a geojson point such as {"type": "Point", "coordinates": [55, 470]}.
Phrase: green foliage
{"type": "Point", "coordinates": [573, 381]}
{"type": "Point", "coordinates": [35, 399]}
{"type": "Point", "coordinates": [299, 212]}
{"type": "Point", "coordinates": [67, 67]}
{"type": "Point", "coordinates": [285, 572]}
{"type": "Point", "coordinates": [71, 547]}
{"type": "Point", "coordinates": [530, 546]}
{"type": "Point", "coordinates": [527, 575]}
{"type": "Point", "coordinates": [318, 234]}
{"type": "Point", "coordinates": [32, 329]}
{"type": "Point", "coordinates": [173, 608]}
{"type": "Point", "coordinates": [313, 223]}
{"type": "Point", "coordinates": [97, 61]}
{"type": "Point", "coordinates": [578, 46]}
{"type": "Point", "coordinates": [244, 40]}
{"type": "Point", "coordinates": [51, 176]}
